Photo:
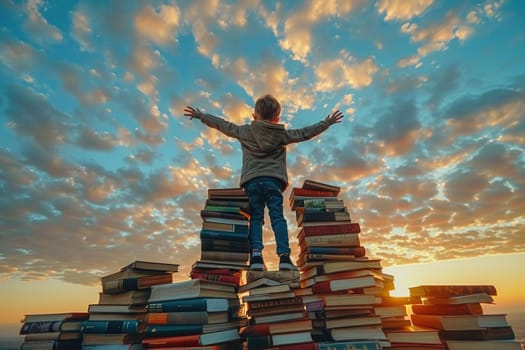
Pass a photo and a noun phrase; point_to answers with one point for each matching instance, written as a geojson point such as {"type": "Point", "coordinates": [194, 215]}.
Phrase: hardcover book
{"type": "Point", "coordinates": [321, 186]}
{"type": "Point", "coordinates": [193, 340]}
{"type": "Point", "coordinates": [192, 289]}
{"type": "Point", "coordinates": [483, 345]}
{"type": "Point", "coordinates": [448, 309]}
{"type": "Point", "coordinates": [459, 322]}
{"type": "Point", "coordinates": [134, 283]}
{"type": "Point", "coordinates": [444, 291]}
{"type": "Point", "coordinates": [193, 304]}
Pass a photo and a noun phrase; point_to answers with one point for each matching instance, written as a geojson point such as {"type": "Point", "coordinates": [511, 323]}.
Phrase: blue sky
{"type": "Point", "coordinates": [98, 166]}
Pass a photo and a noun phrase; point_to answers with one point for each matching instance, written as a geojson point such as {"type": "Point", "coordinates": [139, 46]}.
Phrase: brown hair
{"type": "Point", "coordinates": [267, 107]}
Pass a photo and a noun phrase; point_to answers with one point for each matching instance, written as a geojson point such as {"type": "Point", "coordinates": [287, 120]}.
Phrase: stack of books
{"type": "Point", "coordinates": [276, 315]}
{"type": "Point", "coordinates": [118, 317]}
{"type": "Point", "coordinates": [456, 312]}
{"type": "Point", "coordinates": [193, 313]}
{"type": "Point", "coordinates": [55, 331]}
{"type": "Point", "coordinates": [340, 285]}
{"type": "Point", "coordinates": [225, 247]}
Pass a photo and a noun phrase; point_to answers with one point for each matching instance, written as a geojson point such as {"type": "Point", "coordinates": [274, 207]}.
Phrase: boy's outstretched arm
{"type": "Point", "coordinates": [191, 112]}
{"type": "Point", "coordinates": [335, 117]}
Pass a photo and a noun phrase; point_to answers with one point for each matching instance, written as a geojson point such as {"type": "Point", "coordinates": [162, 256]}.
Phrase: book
{"type": "Point", "coordinates": [343, 299]}
{"type": "Point", "coordinates": [214, 212]}
{"type": "Point", "coordinates": [115, 308]}
{"type": "Point", "coordinates": [279, 317]}
{"type": "Point", "coordinates": [267, 341]}
{"type": "Point", "coordinates": [192, 289]}
{"type": "Point", "coordinates": [224, 255]}
{"type": "Point", "coordinates": [355, 333]}
{"type": "Point", "coordinates": [225, 227]}
{"type": "Point", "coordinates": [132, 297]}
{"type": "Point", "coordinates": [483, 345]}
{"type": "Point", "coordinates": [152, 266]}
{"type": "Point", "coordinates": [186, 317]}
{"type": "Point", "coordinates": [267, 296]}
{"type": "Point", "coordinates": [278, 288]}
{"type": "Point", "coordinates": [488, 333]}
{"type": "Point", "coordinates": [206, 264]}
{"type": "Point", "coordinates": [231, 279]}
{"type": "Point", "coordinates": [444, 291]}
{"type": "Point", "coordinates": [335, 240]}
{"type": "Point", "coordinates": [315, 217]}
{"type": "Point", "coordinates": [413, 335]}
{"type": "Point", "coordinates": [112, 316]}
{"type": "Point", "coordinates": [309, 192]}
{"type": "Point", "coordinates": [281, 276]}
{"type": "Point", "coordinates": [276, 328]}
{"type": "Point", "coordinates": [188, 329]}
{"type": "Point", "coordinates": [448, 309]}
{"type": "Point", "coordinates": [228, 192]}
{"type": "Point", "coordinates": [460, 299]}
{"type": "Point", "coordinates": [395, 323]}
{"type": "Point", "coordinates": [385, 311]}
{"type": "Point", "coordinates": [275, 303]}
{"type": "Point", "coordinates": [351, 321]}
{"type": "Point", "coordinates": [346, 284]}
{"type": "Point", "coordinates": [225, 245]}
{"type": "Point", "coordinates": [293, 308]}
{"type": "Point", "coordinates": [192, 340]}
{"type": "Point", "coordinates": [317, 185]}
{"type": "Point", "coordinates": [110, 339]}
{"type": "Point", "coordinates": [67, 325]}
{"type": "Point", "coordinates": [459, 322]}
{"type": "Point", "coordinates": [340, 266]}
{"type": "Point", "coordinates": [242, 203]}
{"type": "Point", "coordinates": [260, 282]}
{"type": "Point", "coordinates": [51, 344]}
{"type": "Point", "coordinates": [111, 327]}
{"type": "Point", "coordinates": [224, 235]}
{"type": "Point", "coordinates": [223, 220]}
{"type": "Point", "coordinates": [49, 317]}
{"type": "Point", "coordinates": [337, 228]}
{"type": "Point", "coordinates": [134, 283]}
{"type": "Point", "coordinates": [193, 304]}
{"type": "Point", "coordinates": [52, 336]}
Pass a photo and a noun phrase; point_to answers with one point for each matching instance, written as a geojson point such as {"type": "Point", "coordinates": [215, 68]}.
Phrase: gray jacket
{"type": "Point", "coordinates": [264, 144]}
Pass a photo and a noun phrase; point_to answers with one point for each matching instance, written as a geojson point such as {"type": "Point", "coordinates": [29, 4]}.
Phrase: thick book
{"type": "Point", "coordinates": [152, 266]}
{"type": "Point", "coordinates": [387, 311]}
{"type": "Point", "coordinates": [224, 255]}
{"type": "Point", "coordinates": [206, 264]}
{"type": "Point", "coordinates": [132, 297]}
{"type": "Point", "coordinates": [268, 341]}
{"type": "Point", "coordinates": [340, 266]}
{"type": "Point", "coordinates": [227, 192]}
{"type": "Point", "coordinates": [301, 325]}
{"type": "Point", "coordinates": [260, 282]}
{"type": "Point", "coordinates": [110, 339]}
{"type": "Point", "coordinates": [308, 192]}
{"type": "Point", "coordinates": [115, 308]}
{"type": "Point", "coordinates": [343, 299]}
{"type": "Point", "coordinates": [231, 279]}
{"type": "Point", "coordinates": [192, 340]}
{"type": "Point", "coordinates": [483, 345]}
{"type": "Point", "coordinates": [281, 276]}
{"type": "Point", "coordinates": [52, 336]}
{"type": "Point", "coordinates": [444, 291]}
{"type": "Point", "coordinates": [356, 333]}
{"type": "Point", "coordinates": [316, 217]}
{"type": "Point", "coordinates": [111, 327]}
{"type": "Point", "coordinates": [68, 325]}
{"type": "Point", "coordinates": [222, 220]}
{"type": "Point", "coordinates": [488, 333]}
{"type": "Point", "coordinates": [279, 317]}
{"type": "Point", "coordinates": [413, 335]}
{"type": "Point", "coordinates": [134, 283]}
{"type": "Point", "coordinates": [192, 304]}
{"type": "Point", "coordinates": [275, 310]}
{"type": "Point", "coordinates": [335, 240]}
{"type": "Point", "coordinates": [338, 228]}
{"type": "Point", "coordinates": [275, 303]}
{"type": "Point", "coordinates": [224, 235]}
{"type": "Point", "coordinates": [448, 309]}
{"type": "Point", "coordinates": [187, 317]}
{"type": "Point", "coordinates": [215, 212]}
{"type": "Point", "coordinates": [356, 251]}
{"type": "Point", "coordinates": [459, 322]}
{"type": "Point", "coordinates": [192, 289]}
{"type": "Point", "coordinates": [225, 245]}
{"type": "Point", "coordinates": [346, 284]}
{"type": "Point", "coordinates": [51, 344]}
{"type": "Point", "coordinates": [188, 329]}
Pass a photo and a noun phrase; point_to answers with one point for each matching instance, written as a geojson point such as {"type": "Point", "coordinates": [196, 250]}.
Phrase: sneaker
{"type": "Point", "coordinates": [257, 263]}
{"type": "Point", "coordinates": [285, 264]}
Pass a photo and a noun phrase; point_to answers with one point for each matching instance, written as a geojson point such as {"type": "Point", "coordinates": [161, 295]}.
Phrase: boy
{"type": "Point", "coordinates": [264, 175]}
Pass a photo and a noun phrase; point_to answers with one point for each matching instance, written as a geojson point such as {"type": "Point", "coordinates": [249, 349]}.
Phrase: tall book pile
{"type": "Point", "coordinates": [456, 313]}
{"type": "Point", "coordinates": [275, 313]}
{"type": "Point", "coordinates": [194, 313]}
{"type": "Point", "coordinates": [225, 247]}
{"type": "Point", "coordinates": [60, 331]}
{"type": "Point", "coordinates": [341, 286]}
{"type": "Point", "coordinates": [117, 320]}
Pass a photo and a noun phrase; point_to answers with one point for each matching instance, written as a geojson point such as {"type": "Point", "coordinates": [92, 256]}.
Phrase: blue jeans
{"type": "Point", "coordinates": [267, 191]}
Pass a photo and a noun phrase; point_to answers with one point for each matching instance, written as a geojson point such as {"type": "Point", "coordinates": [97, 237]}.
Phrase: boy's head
{"type": "Point", "coordinates": [267, 108]}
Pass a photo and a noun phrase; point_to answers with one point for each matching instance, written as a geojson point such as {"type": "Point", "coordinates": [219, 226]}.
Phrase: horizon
{"type": "Point", "coordinates": [99, 167]}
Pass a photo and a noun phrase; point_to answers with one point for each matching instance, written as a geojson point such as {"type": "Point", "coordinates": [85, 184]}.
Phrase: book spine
{"type": "Point", "coordinates": [306, 192]}
{"type": "Point", "coordinates": [165, 318]}
{"type": "Point", "coordinates": [254, 305]}
{"type": "Point", "coordinates": [172, 330]}
{"type": "Point", "coordinates": [351, 227]}
{"type": "Point", "coordinates": [444, 291]}
{"type": "Point", "coordinates": [355, 251]}
{"type": "Point", "coordinates": [448, 309]}
{"type": "Point", "coordinates": [195, 304]}
{"type": "Point", "coordinates": [216, 277]}
{"type": "Point", "coordinates": [111, 327]}
{"type": "Point", "coordinates": [350, 345]}
{"type": "Point", "coordinates": [221, 214]}
{"type": "Point", "coordinates": [192, 340]}
{"type": "Point", "coordinates": [234, 236]}
{"type": "Point", "coordinates": [40, 327]}
{"type": "Point", "coordinates": [225, 245]}
{"type": "Point", "coordinates": [223, 255]}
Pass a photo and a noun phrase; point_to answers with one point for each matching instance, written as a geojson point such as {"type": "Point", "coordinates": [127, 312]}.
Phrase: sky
{"type": "Point", "coordinates": [99, 167]}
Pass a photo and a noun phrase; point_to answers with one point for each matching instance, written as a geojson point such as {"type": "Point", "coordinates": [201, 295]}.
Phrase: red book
{"type": "Point", "coordinates": [276, 328]}
{"type": "Point", "coordinates": [347, 227]}
{"type": "Point", "coordinates": [192, 339]}
{"type": "Point", "coordinates": [444, 291]}
{"type": "Point", "coordinates": [307, 192]}
{"type": "Point", "coordinates": [300, 346]}
{"type": "Point", "coordinates": [216, 277]}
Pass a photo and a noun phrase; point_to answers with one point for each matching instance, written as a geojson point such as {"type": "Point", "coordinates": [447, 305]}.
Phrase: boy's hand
{"type": "Point", "coordinates": [191, 112]}
{"type": "Point", "coordinates": [335, 117]}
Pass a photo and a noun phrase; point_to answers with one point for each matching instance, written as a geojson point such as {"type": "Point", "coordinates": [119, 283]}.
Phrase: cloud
{"type": "Point", "coordinates": [402, 10]}
{"type": "Point", "coordinates": [343, 72]}
{"type": "Point", "coordinates": [82, 30]}
{"type": "Point", "coordinates": [160, 26]}
{"type": "Point", "coordinates": [38, 25]}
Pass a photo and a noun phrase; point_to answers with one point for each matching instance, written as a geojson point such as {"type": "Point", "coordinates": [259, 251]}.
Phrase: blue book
{"type": "Point", "coordinates": [350, 345]}
{"type": "Point", "coordinates": [169, 330]}
{"type": "Point", "coordinates": [192, 304]}
{"type": "Point", "coordinates": [233, 236]}
{"type": "Point", "coordinates": [111, 327]}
